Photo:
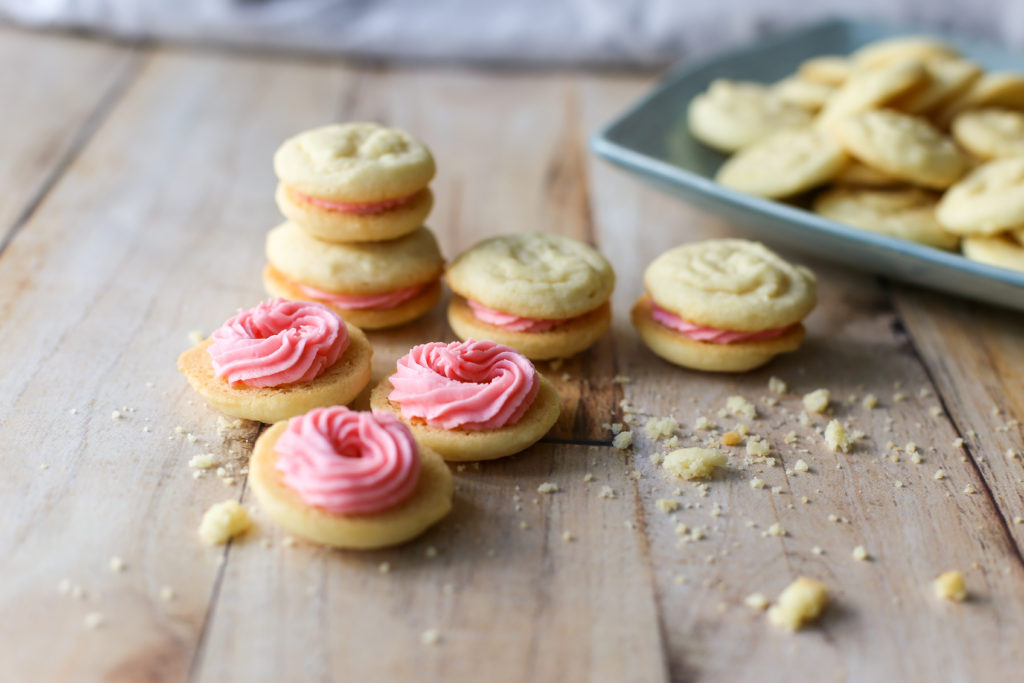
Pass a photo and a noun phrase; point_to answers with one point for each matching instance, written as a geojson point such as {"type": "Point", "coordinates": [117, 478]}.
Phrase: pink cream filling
{"type": "Point", "coordinates": [355, 302]}
{"type": "Point", "coordinates": [348, 462]}
{"type": "Point", "coordinates": [508, 321]}
{"type": "Point", "coordinates": [711, 334]}
{"type": "Point", "coordinates": [356, 207]}
{"type": "Point", "coordinates": [471, 385]}
{"type": "Point", "coordinates": [278, 342]}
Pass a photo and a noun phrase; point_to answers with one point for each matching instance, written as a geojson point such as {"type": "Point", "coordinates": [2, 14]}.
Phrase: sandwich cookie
{"type": "Point", "coordinates": [544, 295]}
{"type": "Point", "coordinates": [727, 305]}
{"type": "Point", "coordinates": [349, 479]}
{"type": "Point", "coordinates": [354, 182]}
{"type": "Point", "coordinates": [370, 284]}
{"type": "Point", "coordinates": [279, 359]}
{"type": "Point", "coordinates": [472, 400]}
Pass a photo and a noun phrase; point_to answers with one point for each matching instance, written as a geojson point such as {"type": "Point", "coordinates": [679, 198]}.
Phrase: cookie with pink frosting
{"type": "Point", "coordinates": [727, 305]}
{"type": "Point", "coordinates": [373, 285]}
{"type": "Point", "coordinates": [472, 400]}
{"type": "Point", "coordinates": [349, 479]}
{"type": "Point", "coordinates": [279, 359]}
{"type": "Point", "coordinates": [544, 295]}
{"type": "Point", "coordinates": [354, 182]}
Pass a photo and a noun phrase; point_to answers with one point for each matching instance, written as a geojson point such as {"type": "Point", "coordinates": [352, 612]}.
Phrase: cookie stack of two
{"type": "Point", "coordinates": [355, 196]}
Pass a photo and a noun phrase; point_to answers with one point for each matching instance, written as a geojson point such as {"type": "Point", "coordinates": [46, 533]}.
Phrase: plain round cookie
{"type": "Point", "coordinates": [730, 115]}
{"type": "Point", "coordinates": [907, 213]}
{"type": "Point", "coordinates": [277, 284]}
{"type": "Point", "coordinates": [902, 48]}
{"type": "Point", "coordinates": [810, 95]}
{"type": "Point", "coordinates": [339, 226]}
{"type": "Point", "coordinates": [990, 133]}
{"type": "Point", "coordinates": [568, 339]}
{"type": "Point", "coordinates": [947, 79]}
{"type": "Point", "coordinates": [995, 89]}
{"type": "Point", "coordinates": [731, 284]}
{"type": "Point", "coordinates": [430, 501]}
{"type": "Point", "coordinates": [357, 268]}
{"type": "Point", "coordinates": [903, 146]}
{"type": "Point", "coordinates": [533, 275]}
{"type": "Point", "coordinates": [988, 201]}
{"type": "Point", "coordinates": [872, 88]}
{"type": "Point", "coordinates": [460, 445]}
{"type": "Point", "coordinates": [339, 385]}
{"type": "Point", "coordinates": [785, 164]}
{"type": "Point", "coordinates": [1000, 250]}
{"type": "Point", "coordinates": [680, 350]}
{"type": "Point", "coordinates": [354, 162]}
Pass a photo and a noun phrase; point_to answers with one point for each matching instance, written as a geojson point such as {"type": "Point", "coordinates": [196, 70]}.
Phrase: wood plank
{"type": "Point", "coordinates": [581, 610]}
{"type": "Point", "coordinates": [56, 92]}
{"type": "Point", "coordinates": [155, 229]}
{"type": "Point", "coordinates": [975, 354]}
{"type": "Point", "coordinates": [885, 622]}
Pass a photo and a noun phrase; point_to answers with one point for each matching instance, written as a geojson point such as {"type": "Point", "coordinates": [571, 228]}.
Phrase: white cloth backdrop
{"type": "Point", "coordinates": [530, 31]}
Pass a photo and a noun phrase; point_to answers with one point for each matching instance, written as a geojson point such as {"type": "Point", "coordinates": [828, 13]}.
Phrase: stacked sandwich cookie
{"type": "Point", "coordinates": [355, 196]}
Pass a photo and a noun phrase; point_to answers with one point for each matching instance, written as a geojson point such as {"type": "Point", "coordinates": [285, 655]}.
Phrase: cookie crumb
{"type": "Point", "coordinates": [116, 415]}
{"type": "Point", "coordinates": [800, 603]}
{"type": "Point", "coordinates": [756, 602]}
{"type": "Point", "coordinates": [951, 586]}
{"type": "Point", "coordinates": [916, 458]}
{"type": "Point", "coordinates": [958, 442]}
{"type": "Point", "coordinates": [737, 405]}
{"type": "Point", "coordinates": [623, 440]}
{"type": "Point", "coordinates": [567, 537]}
{"type": "Point", "coordinates": [899, 397]}
{"type": "Point", "coordinates": [693, 463]}
{"type": "Point", "coordinates": [757, 483]}
{"type": "Point", "coordinates": [588, 477]}
{"type": "Point", "coordinates": [969, 489]}
{"type": "Point", "coordinates": [801, 466]}
{"type": "Point", "coordinates": [384, 568]}
{"type": "Point", "coordinates": [731, 438]}
{"type": "Point", "coordinates": [547, 487]}
{"type": "Point", "coordinates": [431, 636]}
{"type": "Point", "coordinates": [166, 593]}
{"type": "Point", "coordinates": [837, 438]}
{"type": "Point", "coordinates": [703, 424]}
{"type": "Point", "coordinates": [606, 492]}
{"type": "Point", "coordinates": [776, 385]}
{"type": "Point", "coordinates": [223, 522]}
{"type": "Point", "coordinates": [758, 448]}
{"type": "Point", "coordinates": [869, 402]}
{"type": "Point", "coordinates": [817, 401]}
{"type": "Point", "coordinates": [860, 553]}
{"type": "Point", "coordinates": [789, 438]}
{"type": "Point", "coordinates": [117, 564]}
{"type": "Point", "coordinates": [776, 530]}
{"type": "Point", "coordinates": [203, 461]}
{"type": "Point", "coordinates": [667, 505]}
{"type": "Point", "coordinates": [1018, 520]}
{"type": "Point", "coordinates": [657, 427]}
{"type": "Point", "coordinates": [817, 550]}
{"type": "Point", "coordinates": [94, 620]}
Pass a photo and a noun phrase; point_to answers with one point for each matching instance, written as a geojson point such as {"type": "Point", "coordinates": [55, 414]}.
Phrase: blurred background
{"type": "Point", "coordinates": [598, 32]}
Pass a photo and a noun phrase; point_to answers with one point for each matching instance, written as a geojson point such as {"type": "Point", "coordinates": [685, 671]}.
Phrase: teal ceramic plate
{"type": "Point", "coordinates": [651, 139]}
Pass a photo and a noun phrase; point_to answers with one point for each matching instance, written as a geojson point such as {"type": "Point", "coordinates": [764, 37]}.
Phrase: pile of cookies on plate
{"type": "Point", "coordinates": [904, 137]}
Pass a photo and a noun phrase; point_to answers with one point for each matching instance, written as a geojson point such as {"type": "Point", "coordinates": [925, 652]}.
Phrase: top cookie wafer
{"type": "Point", "coordinates": [536, 275]}
{"type": "Point", "coordinates": [731, 284]}
{"type": "Point", "coordinates": [354, 162]}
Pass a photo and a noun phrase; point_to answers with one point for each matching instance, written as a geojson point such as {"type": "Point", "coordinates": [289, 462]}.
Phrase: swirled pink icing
{"type": "Point", "coordinates": [278, 342]}
{"type": "Point", "coordinates": [355, 302]}
{"type": "Point", "coordinates": [471, 385]}
{"type": "Point", "coordinates": [711, 334]}
{"type": "Point", "coordinates": [511, 322]}
{"type": "Point", "coordinates": [349, 462]}
{"type": "Point", "coordinates": [356, 207]}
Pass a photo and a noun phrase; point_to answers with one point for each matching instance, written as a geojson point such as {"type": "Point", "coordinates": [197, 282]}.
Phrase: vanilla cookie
{"type": "Point", "coordinates": [348, 479]}
{"type": "Point", "coordinates": [905, 213]}
{"type": "Point", "coordinates": [371, 284]}
{"type": "Point", "coordinates": [784, 164]}
{"type": "Point", "coordinates": [989, 200]}
{"type": "Point", "coordinates": [277, 360]}
{"type": "Point", "coordinates": [990, 133]}
{"type": "Point", "coordinates": [999, 250]}
{"type": "Point", "coordinates": [902, 48]}
{"type": "Point", "coordinates": [473, 400]}
{"type": "Point", "coordinates": [542, 294]}
{"type": "Point", "coordinates": [354, 163]}
{"type": "Point", "coordinates": [902, 146]}
{"type": "Point", "coordinates": [731, 115]}
{"type": "Point", "coordinates": [872, 88]}
{"type": "Point", "coordinates": [326, 221]}
{"type": "Point", "coordinates": [811, 95]}
{"type": "Point", "coordinates": [827, 69]}
{"type": "Point", "coordinates": [948, 78]}
{"type": "Point", "coordinates": [997, 89]}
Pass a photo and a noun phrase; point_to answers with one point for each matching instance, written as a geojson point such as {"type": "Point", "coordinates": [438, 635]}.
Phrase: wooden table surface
{"type": "Point", "coordinates": [137, 188]}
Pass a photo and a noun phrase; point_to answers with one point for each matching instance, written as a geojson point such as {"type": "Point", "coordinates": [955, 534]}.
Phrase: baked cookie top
{"type": "Point", "coordinates": [535, 274]}
{"type": "Point", "coordinates": [360, 268]}
{"type": "Point", "coordinates": [988, 201]}
{"type": "Point", "coordinates": [733, 114]}
{"type": "Point", "coordinates": [354, 162]}
{"type": "Point", "coordinates": [990, 133]}
{"type": "Point", "coordinates": [903, 146]}
{"type": "Point", "coordinates": [731, 284]}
